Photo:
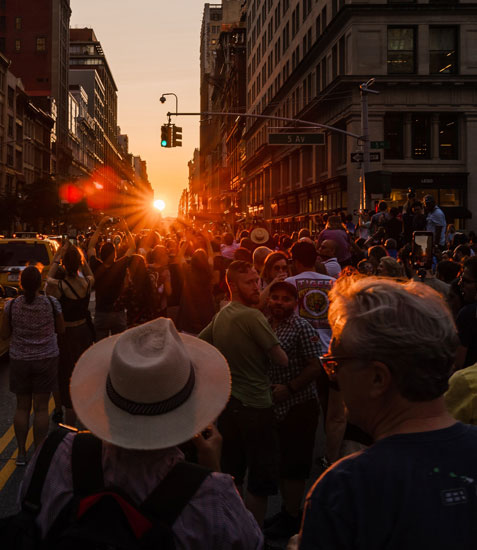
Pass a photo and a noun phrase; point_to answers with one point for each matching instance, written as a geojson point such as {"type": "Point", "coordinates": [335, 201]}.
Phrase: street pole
{"type": "Point", "coordinates": [364, 90]}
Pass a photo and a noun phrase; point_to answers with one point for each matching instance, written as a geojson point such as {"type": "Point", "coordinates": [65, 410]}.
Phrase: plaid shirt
{"type": "Point", "coordinates": [301, 342]}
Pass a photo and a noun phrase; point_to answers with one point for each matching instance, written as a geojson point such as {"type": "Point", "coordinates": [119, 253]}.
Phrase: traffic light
{"type": "Point", "coordinates": [176, 136]}
{"type": "Point", "coordinates": [166, 135]}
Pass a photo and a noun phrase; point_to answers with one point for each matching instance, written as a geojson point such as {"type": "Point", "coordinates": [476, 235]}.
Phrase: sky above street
{"type": "Point", "coordinates": [152, 47]}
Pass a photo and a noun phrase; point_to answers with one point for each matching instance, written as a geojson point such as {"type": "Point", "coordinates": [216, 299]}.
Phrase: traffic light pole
{"type": "Point", "coordinates": [309, 124]}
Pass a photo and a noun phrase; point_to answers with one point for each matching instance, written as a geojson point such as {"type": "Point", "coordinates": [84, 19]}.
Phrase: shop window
{"type": "Point", "coordinates": [421, 136]}
{"type": "Point", "coordinates": [393, 135]}
{"type": "Point", "coordinates": [41, 44]}
{"type": "Point", "coordinates": [442, 50]}
{"type": "Point", "coordinates": [401, 50]}
{"type": "Point", "coordinates": [448, 137]}
{"type": "Point", "coordinates": [450, 197]}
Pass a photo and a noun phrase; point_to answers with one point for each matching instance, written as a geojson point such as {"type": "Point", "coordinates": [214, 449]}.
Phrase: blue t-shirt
{"type": "Point", "coordinates": [406, 492]}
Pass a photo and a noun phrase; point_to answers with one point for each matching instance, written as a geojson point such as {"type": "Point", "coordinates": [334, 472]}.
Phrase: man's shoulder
{"type": "Point", "coordinates": [468, 312]}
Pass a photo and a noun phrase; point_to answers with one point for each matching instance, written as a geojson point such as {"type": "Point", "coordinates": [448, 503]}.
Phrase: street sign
{"type": "Point", "coordinates": [379, 144]}
{"type": "Point", "coordinates": [358, 157]}
{"type": "Point", "coordinates": [296, 139]}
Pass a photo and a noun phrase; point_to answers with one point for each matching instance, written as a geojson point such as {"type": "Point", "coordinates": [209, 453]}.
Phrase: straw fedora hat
{"type": "Point", "coordinates": [150, 387]}
{"type": "Point", "coordinates": [259, 235]}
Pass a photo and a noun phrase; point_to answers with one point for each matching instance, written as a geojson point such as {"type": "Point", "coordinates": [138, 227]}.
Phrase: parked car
{"type": "Point", "coordinates": [5, 293]}
{"type": "Point", "coordinates": [16, 254]}
{"type": "Point", "coordinates": [27, 235]}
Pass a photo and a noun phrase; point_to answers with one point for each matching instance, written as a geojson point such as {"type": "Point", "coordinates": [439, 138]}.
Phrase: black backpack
{"type": "Point", "coordinates": [99, 518]}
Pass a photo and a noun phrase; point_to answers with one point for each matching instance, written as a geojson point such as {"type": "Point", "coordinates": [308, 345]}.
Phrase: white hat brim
{"type": "Point", "coordinates": [110, 423]}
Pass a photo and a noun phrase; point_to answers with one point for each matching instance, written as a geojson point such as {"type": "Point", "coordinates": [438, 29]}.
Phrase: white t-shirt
{"type": "Point", "coordinates": [435, 219]}
{"type": "Point", "coordinates": [313, 302]}
{"type": "Point", "coordinates": [332, 267]}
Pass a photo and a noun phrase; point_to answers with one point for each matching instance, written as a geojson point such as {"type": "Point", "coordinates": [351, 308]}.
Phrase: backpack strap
{"type": "Point", "coordinates": [173, 493]}
{"type": "Point", "coordinates": [31, 502]}
{"type": "Point", "coordinates": [73, 290]}
{"type": "Point", "coordinates": [86, 464]}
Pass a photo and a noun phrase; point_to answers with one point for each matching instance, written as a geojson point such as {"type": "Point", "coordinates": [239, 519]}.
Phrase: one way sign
{"type": "Point", "coordinates": [373, 157]}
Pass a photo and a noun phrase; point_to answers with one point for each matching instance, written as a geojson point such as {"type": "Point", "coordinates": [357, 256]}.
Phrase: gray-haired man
{"type": "Point", "coordinates": [392, 352]}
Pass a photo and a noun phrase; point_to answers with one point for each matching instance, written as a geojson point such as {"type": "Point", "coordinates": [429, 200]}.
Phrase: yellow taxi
{"type": "Point", "coordinates": [16, 254]}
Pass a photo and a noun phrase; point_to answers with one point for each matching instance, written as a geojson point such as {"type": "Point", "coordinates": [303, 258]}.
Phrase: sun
{"type": "Point", "coordinates": [159, 204]}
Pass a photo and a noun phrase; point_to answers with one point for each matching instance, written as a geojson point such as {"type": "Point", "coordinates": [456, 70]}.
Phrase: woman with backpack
{"type": "Point", "coordinates": [73, 292]}
{"type": "Point", "coordinates": [31, 321]}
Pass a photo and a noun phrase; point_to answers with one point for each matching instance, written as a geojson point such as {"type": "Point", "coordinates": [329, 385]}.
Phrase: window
{"type": "Point", "coordinates": [442, 50]}
{"type": "Point", "coordinates": [448, 137]}
{"type": "Point", "coordinates": [334, 62]}
{"type": "Point", "coordinates": [18, 23]}
{"type": "Point", "coordinates": [3, 23]}
{"type": "Point", "coordinates": [421, 136]}
{"type": "Point", "coordinates": [41, 44]}
{"type": "Point", "coordinates": [401, 49]}
{"type": "Point", "coordinates": [393, 135]}
{"type": "Point", "coordinates": [18, 45]}
{"type": "Point", "coordinates": [323, 73]}
{"type": "Point", "coordinates": [11, 97]}
{"type": "Point", "coordinates": [10, 126]}
{"type": "Point", "coordinates": [342, 56]}
{"type": "Point", "coordinates": [2, 44]}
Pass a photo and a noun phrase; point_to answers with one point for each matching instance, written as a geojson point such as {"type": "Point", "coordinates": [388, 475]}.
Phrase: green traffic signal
{"type": "Point", "coordinates": [166, 135]}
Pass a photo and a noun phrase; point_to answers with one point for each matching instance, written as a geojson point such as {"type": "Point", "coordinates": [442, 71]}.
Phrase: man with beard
{"type": "Point", "coordinates": [248, 427]}
{"type": "Point", "coordinates": [296, 405]}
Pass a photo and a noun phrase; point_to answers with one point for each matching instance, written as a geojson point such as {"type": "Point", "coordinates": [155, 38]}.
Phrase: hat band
{"type": "Point", "coordinates": [151, 409]}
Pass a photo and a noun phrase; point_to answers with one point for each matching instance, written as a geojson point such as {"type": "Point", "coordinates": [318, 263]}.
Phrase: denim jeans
{"type": "Point", "coordinates": [109, 322]}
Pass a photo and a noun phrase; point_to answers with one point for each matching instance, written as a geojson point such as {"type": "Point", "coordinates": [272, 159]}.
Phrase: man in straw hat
{"type": "Point", "coordinates": [142, 393]}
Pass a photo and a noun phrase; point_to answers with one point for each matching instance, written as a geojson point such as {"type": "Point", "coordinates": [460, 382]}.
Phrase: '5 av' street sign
{"type": "Point", "coordinates": [296, 139]}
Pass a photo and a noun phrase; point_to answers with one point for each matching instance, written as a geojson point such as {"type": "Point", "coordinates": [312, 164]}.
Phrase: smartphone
{"type": "Point", "coordinates": [422, 244]}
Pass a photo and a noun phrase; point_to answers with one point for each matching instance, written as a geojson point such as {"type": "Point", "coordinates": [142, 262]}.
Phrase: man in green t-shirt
{"type": "Point", "coordinates": [243, 335]}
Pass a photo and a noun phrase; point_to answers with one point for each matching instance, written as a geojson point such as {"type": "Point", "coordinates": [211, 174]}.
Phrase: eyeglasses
{"type": "Point", "coordinates": [331, 363]}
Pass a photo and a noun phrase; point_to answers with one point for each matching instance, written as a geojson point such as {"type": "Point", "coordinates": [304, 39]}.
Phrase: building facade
{"type": "Point", "coordinates": [34, 35]}
{"type": "Point", "coordinates": [307, 59]}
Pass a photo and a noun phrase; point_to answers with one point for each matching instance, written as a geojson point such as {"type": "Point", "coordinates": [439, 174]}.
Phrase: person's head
{"type": "Point", "coordinates": [304, 232]}
{"type": "Point", "coordinates": [149, 387]}
{"type": "Point", "coordinates": [327, 249]}
{"type": "Point", "coordinates": [247, 243]}
{"type": "Point", "coordinates": [259, 255]}
{"type": "Point", "coordinates": [304, 256]}
{"type": "Point", "coordinates": [389, 267]}
{"type": "Point", "coordinates": [459, 238]}
{"type": "Point", "coordinates": [394, 345]}
{"type": "Point", "coordinates": [334, 222]}
{"type": "Point", "coordinates": [199, 261]}
{"type": "Point", "coordinates": [382, 206]}
{"type": "Point", "coordinates": [30, 281]}
{"type": "Point", "coordinates": [468, 280]}
{"type": "Point", "coordinates": [138, 271]}
{"type": "Point", "coordinates": [450, 228]}
{"type": "Point", "coordinates": [228, 239]}
{"type": "Point", "coordinates": [429, 202]}
{"type": "Point", "coordinates": [242, 280]}
{"type": "Point", "coordinates": [72, 260]}
{"type": "Point", "coordinates": [365, 267]}
{"type": "Point", "coordinates": [390, 244]}
{"type": "Point", "coordinates": [243, 254]}
{"type": "Point", "coordinates": [275, 264]}
{"type": "Point", "coordinates": [286, 242]}
{"type": "Point", "coordinates": [461, 252]}
{"type": "Point", "coordinates": [394, 212]}
{"type": "Point", "coordinates": [417, 208]}
{"type": "Point", "coordinates": [282, 300]}
{"type": "Point", "coordinates": [375, 253]}
{"type": "Point", "coordinates": [447, 271]}
{"type": "Point", "coordinates": [108, 253]}
{"type": "Point", "coordinates": [159, 255]}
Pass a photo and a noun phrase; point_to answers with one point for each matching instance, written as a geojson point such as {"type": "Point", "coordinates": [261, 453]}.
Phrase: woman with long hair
{"type": "Point", "coordinates": [137, 296]}
{"type": "Point", "coordinates": [31, 320]}
{"type": "Point", "coordinates": [197, 305]}
{"type": "Point", "coordinates": [73, 293]}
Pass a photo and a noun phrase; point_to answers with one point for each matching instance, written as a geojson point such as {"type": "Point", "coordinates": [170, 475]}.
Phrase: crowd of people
{"type": "Point", "coordinates": [224, 345]}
